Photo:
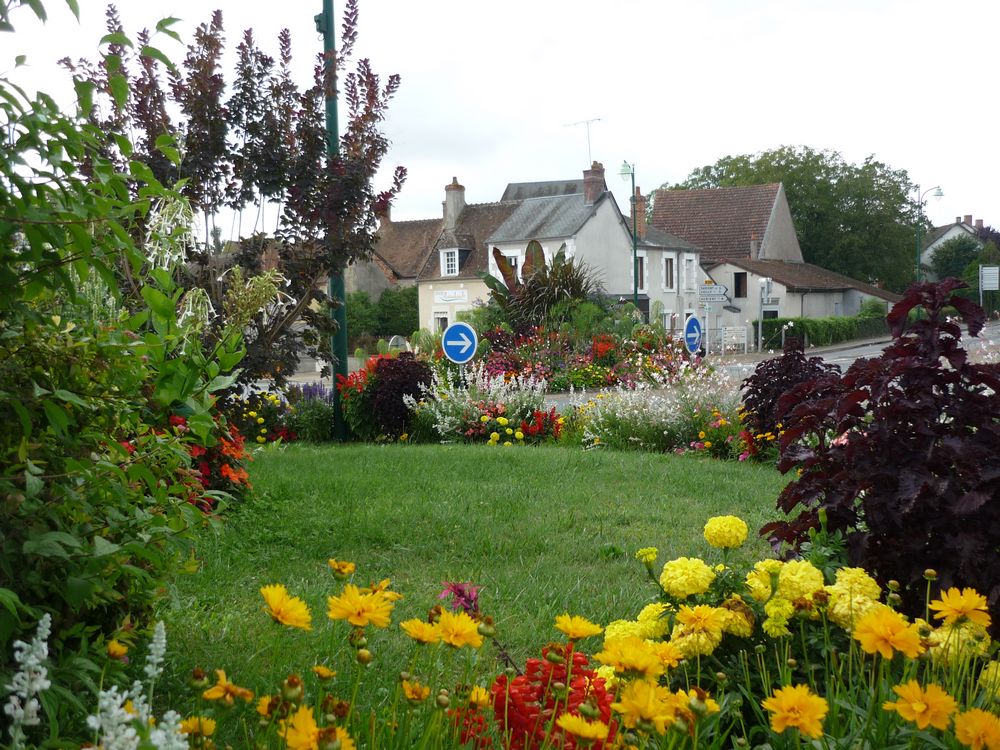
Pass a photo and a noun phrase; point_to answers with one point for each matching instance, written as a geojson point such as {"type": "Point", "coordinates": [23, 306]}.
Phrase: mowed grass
{"type": "Point", "coordinates": [541, 530]}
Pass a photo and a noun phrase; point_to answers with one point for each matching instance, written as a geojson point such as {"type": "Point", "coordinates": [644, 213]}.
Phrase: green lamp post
{"type": "Point", "coordinates": [937, 192]}
{"type": "Point", "coordinates": [628, 171]}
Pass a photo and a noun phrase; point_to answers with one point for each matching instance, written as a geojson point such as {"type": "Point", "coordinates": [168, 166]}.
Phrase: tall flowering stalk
{"type": "Point", "coordinates": [28, 682]}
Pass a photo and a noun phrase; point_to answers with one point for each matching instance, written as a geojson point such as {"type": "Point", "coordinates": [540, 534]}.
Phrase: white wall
{"type": "Point", "coordinates": [447, 298]}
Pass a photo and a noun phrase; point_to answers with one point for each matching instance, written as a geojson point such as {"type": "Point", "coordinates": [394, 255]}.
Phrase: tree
{"type": "Point", "coordinates": [265, 144]}
{"type": "Point", "coordinates": [858, 220]}
{"type": "Point", "coordinates": [953, 256]}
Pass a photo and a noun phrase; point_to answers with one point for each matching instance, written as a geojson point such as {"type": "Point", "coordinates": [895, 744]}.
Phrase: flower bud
{"type": "Point", "coordinates": [486, 630]}
{"type": "Point", "coordinates": [792, 663]}
{"type": "Point", "coordinates": [292, 689]}
{"type": "Point", "coordinates": [589, 710]}
{"type": "Point", "coordinates": [721, 678]}
{"type": "Point", "coordinates": [894, 600]}
{"type": "Point", "coordinates": [198, 679]}
{"type": "Point", "coordinates": [443, 700]}
{"type": "Point", "coordinates": [364, 656]}
{"type": "Point", "coordinates": [403, 676]}
{"type": "Point", "coordinates": [893, 585]}
{"type": "Point", "coordinates": [930, 574]}
{"type": "Point", "coordinates": [741, 742]}
{"type": "Point", "coordinates": [357, 638]}
{"type": "Point", "coordinates": [553, 658]}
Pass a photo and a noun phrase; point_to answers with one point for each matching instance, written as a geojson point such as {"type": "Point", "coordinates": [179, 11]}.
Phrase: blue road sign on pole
{"type": "Point", "coordinates": [459, 342]}
{"type": "Point", "coordinates": [692, 334]}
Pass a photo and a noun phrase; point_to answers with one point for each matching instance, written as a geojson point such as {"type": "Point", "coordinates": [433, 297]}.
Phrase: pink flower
{"type": "Point", "coordinates": [464, 596]}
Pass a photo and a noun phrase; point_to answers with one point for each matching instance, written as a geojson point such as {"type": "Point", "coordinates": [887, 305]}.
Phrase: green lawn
{"type": "Point", "coordinates": [542, 530]}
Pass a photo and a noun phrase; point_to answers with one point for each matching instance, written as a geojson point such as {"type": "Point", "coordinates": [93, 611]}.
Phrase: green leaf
{"type": "Point", "coordinates": [10, 601]}
{"type": "Point", "coordinates": [23, 415]}
{"type": "Point", "coordinates": [161, 305]}
{"type": "Point", "coordinates": [51, 544]}
{"type": "Point", "coordinates": [102, 547]}
{"type": "Point", "coordinates": [57, 416]}
{"type": "Point", "coordinates": [70, 397]}
{"type": "Point", "coordinates": [223, 381]}
{"type": "Point", "coordinates": [77, 591]}
{"type": "Point", "coordinates": [167, 145]}
{"type": "Point", "coordinates": [119, 89]}
{"type": "Point", "coordinates": [36, 5]}
{"type": "Point", "coordinates": [74, 7]}
{"type": "Point", "coordinates": [20, 60]}
{"type": "Point", "coordinates": [116, 37]}
{"type": "Point", "coordinates": [201, 425]}
{"type": "Point", "coordinates": [163, 27]}
{"type": "Point", "coordinates": [153, 52]}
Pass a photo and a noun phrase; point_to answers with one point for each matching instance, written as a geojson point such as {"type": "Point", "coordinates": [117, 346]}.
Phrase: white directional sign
{"type": "Point", "coordinates": [459, 342]}
{"type": "Point", "coordinates": [989, 278]}
{"type": "Point", "coordinates": [713, 293]}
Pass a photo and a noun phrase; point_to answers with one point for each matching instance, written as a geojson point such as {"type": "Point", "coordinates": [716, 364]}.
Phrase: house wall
{"type": "Point", "coordinates": [927, 256]}
{"type": "Point", "coordinates": [604, 245]}
{"type": "Point", "coordinates": [368, 277]}
{"type": "Point", "coordinates": [780, 241]}
{"type": "Point", "coordinates": [444, 297]}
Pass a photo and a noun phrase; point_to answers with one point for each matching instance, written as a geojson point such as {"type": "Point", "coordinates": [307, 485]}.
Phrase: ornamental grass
{"type": "Point", "coordinates": [774, 654]}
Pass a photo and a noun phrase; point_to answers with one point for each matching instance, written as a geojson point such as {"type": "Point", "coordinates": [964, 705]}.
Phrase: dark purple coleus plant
{"type": "Point", "coordinates": [903, 453]}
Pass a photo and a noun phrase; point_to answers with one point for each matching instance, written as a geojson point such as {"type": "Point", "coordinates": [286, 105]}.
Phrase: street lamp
{"type": "Point", "coordinates": [628, 171]}
{"type": "Point", "coordinates": [937, 192]}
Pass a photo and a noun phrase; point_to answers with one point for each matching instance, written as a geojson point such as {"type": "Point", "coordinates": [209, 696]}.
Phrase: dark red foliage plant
{"type": "Point", "coordinates": [901, 454]}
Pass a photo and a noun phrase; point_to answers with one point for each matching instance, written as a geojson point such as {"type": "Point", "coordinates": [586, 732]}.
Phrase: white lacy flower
{"type": "Point", "coordinates": [31, 679]}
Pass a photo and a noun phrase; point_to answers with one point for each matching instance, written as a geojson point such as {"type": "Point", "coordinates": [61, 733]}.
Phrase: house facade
{"type": "Point", "coordinates": [963, 227]}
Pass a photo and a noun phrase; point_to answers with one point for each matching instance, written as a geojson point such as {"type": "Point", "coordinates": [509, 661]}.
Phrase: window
{"type": "Point", "coordinates": [641, 264]}
{"type": "Point", "coordinates": [668, 319]}
{"type": "Point", "coordinates": [740, 284]}
{"type": "Point", "coordinates": [668, 273]}
{"type": "Point", "coordinates": [449, 262]}
{"type": "Point", "coordinates": [440, 321]}
{"type": "Point", "coordinates": [689, 274]}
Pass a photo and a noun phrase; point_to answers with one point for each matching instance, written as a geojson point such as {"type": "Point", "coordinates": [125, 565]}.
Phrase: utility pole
{"type": "Point", "coordinates": [335, 286]}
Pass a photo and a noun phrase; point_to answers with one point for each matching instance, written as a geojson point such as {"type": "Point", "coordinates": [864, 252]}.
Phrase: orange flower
{"type": "Point", "coordinates": [923, 706]}
{"type": "Point", "coordinates": [226, 691]}
{"type": "Point", "coordinates": [236, 476]}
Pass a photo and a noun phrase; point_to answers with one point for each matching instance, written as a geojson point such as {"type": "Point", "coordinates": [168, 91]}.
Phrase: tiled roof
{"type": "Point", "coordinates": [546, 218]}
{"type": "Point", "coordinates": [475, 224]}
{"type": "Point", "coordinates": [404, 245]}
{"type": "Point", "coordinates": [805, 277]}
{"type": "Point", "coordinates": [721, 221]}
{"type": "Point", "coordinates": [657, 238]}
{"type": "Point", "coordinates": [938, 232]}
{"type": "Point", "coordinates": [517, 191]}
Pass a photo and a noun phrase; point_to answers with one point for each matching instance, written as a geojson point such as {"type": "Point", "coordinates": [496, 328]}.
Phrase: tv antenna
{"type": "Point", "coordinates": [590, 159]}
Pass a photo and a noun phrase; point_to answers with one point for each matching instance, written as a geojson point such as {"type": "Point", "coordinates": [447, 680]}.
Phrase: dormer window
{"type": "Point", "coordinates": [449, 262]}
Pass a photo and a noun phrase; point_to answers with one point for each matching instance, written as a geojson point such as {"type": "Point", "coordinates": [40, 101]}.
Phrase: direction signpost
{"type": "Point", "coordinates": [713, 293]}
{"type": "Point", "coordinates": [692, 334]}
{"type": "Point", "coordinates": [459, 342]}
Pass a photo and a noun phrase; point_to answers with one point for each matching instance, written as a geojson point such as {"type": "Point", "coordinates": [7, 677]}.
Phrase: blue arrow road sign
{"type": "Point", "coordinates": [692, 334]}
{"type": "Point", "coordinates": [459, 342]}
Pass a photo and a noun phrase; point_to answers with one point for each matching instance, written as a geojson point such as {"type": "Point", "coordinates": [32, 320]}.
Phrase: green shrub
{"type": "Point", "coordinates": [396, 311]}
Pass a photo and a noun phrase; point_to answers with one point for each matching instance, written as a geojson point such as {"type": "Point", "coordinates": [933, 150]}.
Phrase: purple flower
{"type": "Point", "coordinates": [464, 596]}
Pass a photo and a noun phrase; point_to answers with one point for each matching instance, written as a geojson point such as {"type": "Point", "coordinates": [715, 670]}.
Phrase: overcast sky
{"type": "Point", "coordinates": [489, 90]}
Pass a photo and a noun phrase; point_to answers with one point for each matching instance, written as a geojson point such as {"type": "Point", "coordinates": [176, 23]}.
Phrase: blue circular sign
{"type": "Point", "coordinates": [692, 334]}
{"type": "Point", "coordinates": [459, 342]}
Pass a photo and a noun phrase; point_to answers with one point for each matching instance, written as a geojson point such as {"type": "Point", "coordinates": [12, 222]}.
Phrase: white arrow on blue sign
{"type": "Point", "coordinates": [459, 342]}
{"type": "Point", "coordinates": [692, 334]}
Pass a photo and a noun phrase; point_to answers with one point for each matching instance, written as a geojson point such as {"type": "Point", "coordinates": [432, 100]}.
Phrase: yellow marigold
{"type": "Point", "coordinates": [479, 697]}
{"type": "Point", "coordinates": [885, 631]}
{"type": "Point", "coordinates": [779, 611]}
{"type": "Point", "coordinates": [647, 702]}
{"type": "Point", "coordinates": [421, 630]}
{"type": "Point", "coordinates": [323, 672]}
{"type": "Point", "coordinates": [647, 555]}
{"type": "Point", "coordinates": [225, 690]}
{"type": "Point", "coordinates": [414, 692]}
{"type": "Point", "coordinates": [737, 617]}
{"type": "Point", "coordinates": [697, 630]}
{"type": "Point", "coordinates": [117, 650]}
{"type": "Point", "coordinates": [360, 609]}
{"type": "Point", "coordinates": [759, 579]}
{"type": "Point", "coordinates": [288, 610]}
{"type": "Point", "coordinates": [458, 629]}
{"type": "Point", "coordinates": [484, 418]}
{"type": "Point", "coordinates": [670, 656]}
{"type": "Point", "coordinates": [623, 629]}
{"type": "Point", "coordinates": [989, 679]}
{"type": "Point", "coordinates": [855, 582]}
{"type": "Point", "coordinates": [607, 673]}
{"type": "Point", "coordinates": [341, 568]}
{"type": "Point", "coordinates": [583, 728]}
{"type": "Point", "coordinates": [930, 706]}
{"type": "Point", "coordinates": [631, 655]}
{"type": "Point", "coordinates": [847, 605]}
{"type": "Point", "coordinates": [798, 707]}
{"type": "Point", "coordinates": [575, 627]}
{"type": "Point", "coordinates": [198, 726]}
{"type": "Point", "coordinates": [978, 729]}
{"type": "Point", "coordinates": [725, 532]}
{"type": "Point", "coordinates": [799, 579]}
{"type": "Point", "coordinates": [959, 605]}
{"type": "Point", "coordinates": [686, 576]}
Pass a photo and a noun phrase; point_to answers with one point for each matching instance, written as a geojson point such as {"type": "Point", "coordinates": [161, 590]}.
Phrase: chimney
{"type": "Point", "coordinates": [454, 202]}
{"type": "Point", "coordinates": [968, 219]}
{"type": "Point", "coordinates": [979, 224]}
{"type": "Point", "coordinates": [384, 214]}
{"type": "Point", "coordinates": [754, 245]}
{"type": "Point", "coordinates": [958, 219]}
{"type": "Point", "coordinates": [593, 183]}
{"type": "Point", "coordinates": [639, 210]}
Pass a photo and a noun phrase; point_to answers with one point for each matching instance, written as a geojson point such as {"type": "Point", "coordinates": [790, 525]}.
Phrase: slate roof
{"type": "Point", "coordinates": [517, 191]}
{"type": "Point", "coordinates": [403, 245]}
{"type": "Point", "coordinates": [938, 232]}
{"type": "Point", "coordinates": [721, 221]}
{"type": "Point", "coordinates": [475, 224]}
{"type": "Point", "coordinates": [546, 218]}
{"type": "Point", "coordinates": [805, 277]}
{"type": "Point", "coordinates": [657, 238]}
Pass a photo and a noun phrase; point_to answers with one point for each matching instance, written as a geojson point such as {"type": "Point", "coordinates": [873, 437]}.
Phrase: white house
{"type": "Point", "coordinates": [962, 227]}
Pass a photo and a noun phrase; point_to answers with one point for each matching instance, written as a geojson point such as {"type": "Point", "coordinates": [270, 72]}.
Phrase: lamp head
{"type": "Point", "coordinates": [938, 193]}
{"type": "Point", "coordinates": [626, 171]}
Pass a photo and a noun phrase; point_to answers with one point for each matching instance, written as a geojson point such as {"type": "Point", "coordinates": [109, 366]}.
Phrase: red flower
{"type": "Point", "coordinates": [197, 451]}
{"type": "Point", "coordinates": [177, 421]}
{"type": "Point", "coordinates": [127, 446]}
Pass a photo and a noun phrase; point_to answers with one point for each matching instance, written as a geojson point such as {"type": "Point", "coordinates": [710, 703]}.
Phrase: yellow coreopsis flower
{"type": "Point", "coordinates": [646, 701]}
{"type": "Point", "coordinates": [582, 728]}
{"type": "Point", "coordinates": [225, 690]}
{"type": "Point", "coordinates": [885, 631]}
{"type": "Point", "coordinates": [117, 650]}
{"type": "Point", "coordinates": [457, 629]}
{"type": "Point", "coordinates": [965, 604]}
{"type": "Point", "coordinates": [479, 697]}
{"type": "Point", "coordinates": [341, 568]}
{"type": "Point", "coordinates": [725, 532]}
{"type": "Point", "coordinates": [575, 627]}
{"type": "Point", "coordinates": [421, 630]}
{"type": "Point", "coordinates": [798, 707]}
{"type": "Point", "coordinates": [686, 576]}
{"type": "Point", "coordinates": [930, 706]}
{"type": "Point", "coordinates": [198, 726]}
{"type": "Point", "coordinates": [288, 610]}
{"type": "Point", "coordinates": [631, 654]}
{"type": "Point", "coordinates": [978, 729]}
{"type": "Point", "coordinates": [414, 692]}
{"type": "Point", "coordinates": [323, 672]}
{"type": "Point", "coordinates": [360, 609]}
{"type": "Point", "coordinates": [647, 555]}
{"type": "Point", "coordinates": [300, 731]}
